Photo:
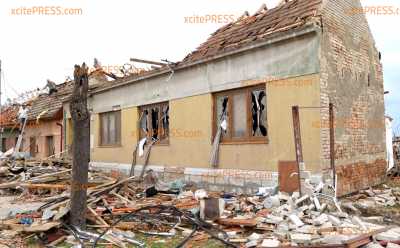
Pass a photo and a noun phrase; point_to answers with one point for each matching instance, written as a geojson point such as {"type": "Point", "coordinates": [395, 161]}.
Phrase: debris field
{"type": "Point", "coordinates": [35, 201]}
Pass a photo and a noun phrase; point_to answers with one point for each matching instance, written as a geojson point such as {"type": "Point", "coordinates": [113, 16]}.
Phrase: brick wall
{"type": "Point", "coordinates": [352, 79]}
{"type": "Point", "coordinates": [359, 175]}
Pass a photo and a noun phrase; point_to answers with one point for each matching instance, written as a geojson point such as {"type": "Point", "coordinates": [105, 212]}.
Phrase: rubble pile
{"type": "Point", "coordinates": [35, 200]}
{"type": "Point", "coordinates": [385, 197]}
{"type": "Point", "coordinates": [315, 219]}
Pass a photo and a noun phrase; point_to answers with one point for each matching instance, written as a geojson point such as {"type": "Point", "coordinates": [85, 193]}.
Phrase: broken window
{"type": "Point", "coordinates": [258, 112]}
{"type": "Point", "coordinates": [110, 128]}
{"type": "Point", "coordinates": [222, 113]}
{"type": "Point", "coordinates": [242, 114]}
{"type": "Point", "coordinates": [154, 122]}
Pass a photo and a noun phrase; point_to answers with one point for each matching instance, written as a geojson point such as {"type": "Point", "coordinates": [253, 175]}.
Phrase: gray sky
{"type": "Point", "coordinates": [36, 47]}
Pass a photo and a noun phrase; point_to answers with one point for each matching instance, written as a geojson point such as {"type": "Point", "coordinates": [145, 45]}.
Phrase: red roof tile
{"type": "Point", "coordinates": [258, 27]}
{"type": "Point", "coordinates": [8, 116]}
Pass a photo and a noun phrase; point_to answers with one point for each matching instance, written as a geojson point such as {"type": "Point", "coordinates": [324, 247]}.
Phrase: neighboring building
{"type": "Point", "coordinates": [389, 143]}
{"type": "Point", "coordinates": [396, 151]}
{"type": "Point", "coordinates": [44, 131]}
{"type": "Point", "coordinates": [97, 78]}
{"type": "Point", "coordinates": [305, 53]}
{"type": "Point", "coordinates": [9, 127]}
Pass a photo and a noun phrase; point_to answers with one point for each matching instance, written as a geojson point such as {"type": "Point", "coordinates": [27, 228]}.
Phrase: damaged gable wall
{"type": "Point", "coordinates": [352, 79]}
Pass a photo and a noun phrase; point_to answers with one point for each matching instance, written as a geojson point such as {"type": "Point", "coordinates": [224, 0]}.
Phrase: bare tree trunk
{"type": "Point", "coordinates": [81, 145]}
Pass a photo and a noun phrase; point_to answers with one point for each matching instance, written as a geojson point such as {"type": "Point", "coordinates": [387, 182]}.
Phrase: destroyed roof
{"type": "Point", "coordinates": [248, 30]}
{"type": "Point", "coordinates": [245, 32]}
{"type": "Point", "coordinates": [8, 116]}
{"type": "Point", "coordinates": [47, 106]}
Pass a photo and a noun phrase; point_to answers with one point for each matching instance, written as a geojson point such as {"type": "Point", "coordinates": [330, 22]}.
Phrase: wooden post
{"type": "Point", "coordinates": [81, 145]}
{"type": "Point", "coordinates": [297, 141]}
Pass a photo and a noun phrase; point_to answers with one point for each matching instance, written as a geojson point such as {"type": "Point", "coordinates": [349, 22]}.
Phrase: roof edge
{"type": "Point", "coordinates": [269, 40]}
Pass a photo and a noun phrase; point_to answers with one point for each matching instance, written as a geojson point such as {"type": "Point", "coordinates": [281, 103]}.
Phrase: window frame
{"type": "Point", "coordinates": [248, 138]}
{"type": "Point", "coordinates": [118, 127]}
{"type": "Point", "coordinates": [166, 135]}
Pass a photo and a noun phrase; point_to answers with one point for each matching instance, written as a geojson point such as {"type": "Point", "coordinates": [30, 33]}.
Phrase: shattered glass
{"type": "Point", "coordinates": [239, 114]}
{"type": "Point", "coordinates": [222, 112]}
{"type": "Point", "coordinates": [155, 122]}
{"type": "Point", "coordinates": [259, 113]}
{"type": "Point", "coordinates": [165, 121]}
{"type": "Point", "coordinates": [143, 121]}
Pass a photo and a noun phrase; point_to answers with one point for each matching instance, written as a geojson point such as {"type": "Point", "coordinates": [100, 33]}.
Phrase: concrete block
{"type": "Point", "coordinates": [335, 221]}
{"type": "Point", "coordinates": [373, 245]}
{"type": "Point", "coordinates": [300, 238]}
{"type": "Point", "coordinates": [334, 239]}
{"type": "Point", "coordinates": [390, 235]}
{"type": "Point", "coordinates": [270, 243]}
{"type": "Point", "coordinates": [320, 220]}
{"type": "Point", "coordinates": [296, 220]}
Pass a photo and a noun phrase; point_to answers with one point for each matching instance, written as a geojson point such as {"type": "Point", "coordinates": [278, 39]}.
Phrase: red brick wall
{"type": "Point", "coordinates": [352, 79]}
{"type": "Point", "coordinates": [359, 175]}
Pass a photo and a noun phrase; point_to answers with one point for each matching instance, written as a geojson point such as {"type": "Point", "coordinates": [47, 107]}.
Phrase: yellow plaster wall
{"type": "Point", "coordinates": [191, 126]}
{"type": "Point", "coordinates": [118, 154]}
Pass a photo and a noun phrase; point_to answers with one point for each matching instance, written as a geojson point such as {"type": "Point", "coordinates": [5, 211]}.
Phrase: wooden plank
{"type": "Point", "coordinates": [238, 222]}
{"type": "Point", "coordinates": [102, 222]}
{"type": "Point", "coordinates": [297, 141]}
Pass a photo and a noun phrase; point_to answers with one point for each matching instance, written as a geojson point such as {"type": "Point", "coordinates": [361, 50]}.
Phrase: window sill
{"type": "Point", "coordinates": [109, 146]}
{"type": "Point", "coordinates": [249, 142]}
{"type": "Point", "coordinates": [164, 142]}
{"type": "Point", "coordinates": [161, 144]}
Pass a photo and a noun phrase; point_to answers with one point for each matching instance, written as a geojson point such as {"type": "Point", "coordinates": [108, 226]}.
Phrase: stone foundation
{"type": "Point", "coordinates": [228, 180]}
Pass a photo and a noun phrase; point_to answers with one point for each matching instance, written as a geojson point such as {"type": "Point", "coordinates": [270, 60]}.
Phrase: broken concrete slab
{"type": "Point", "coordinates": [270, 243]}
{"type": "Point", "coordinates": [320, 220]}
{"type": "Point", "coordinates": [300, 238]}
{"type": "Point", "coordinates": [390, 235]}
{"type": "Point", "coordinates": [296, 220]}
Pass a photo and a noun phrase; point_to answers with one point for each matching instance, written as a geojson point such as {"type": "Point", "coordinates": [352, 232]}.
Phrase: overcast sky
{"type": "Point", "coordinates": [36, 47]}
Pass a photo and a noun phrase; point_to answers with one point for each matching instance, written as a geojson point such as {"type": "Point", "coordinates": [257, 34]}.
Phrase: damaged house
{"type": "Point", "coordinates": [44, 130]}
{"type": "Point", "coordinates": [46, 126]}
{"type": "Point", "coordinates": [9, 127]}
{"type": "Point", "coordinates": [223, 116]}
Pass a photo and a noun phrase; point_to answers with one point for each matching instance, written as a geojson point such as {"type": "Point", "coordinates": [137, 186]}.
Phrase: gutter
{"type": "Point", "coordinates": [274, 38]}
